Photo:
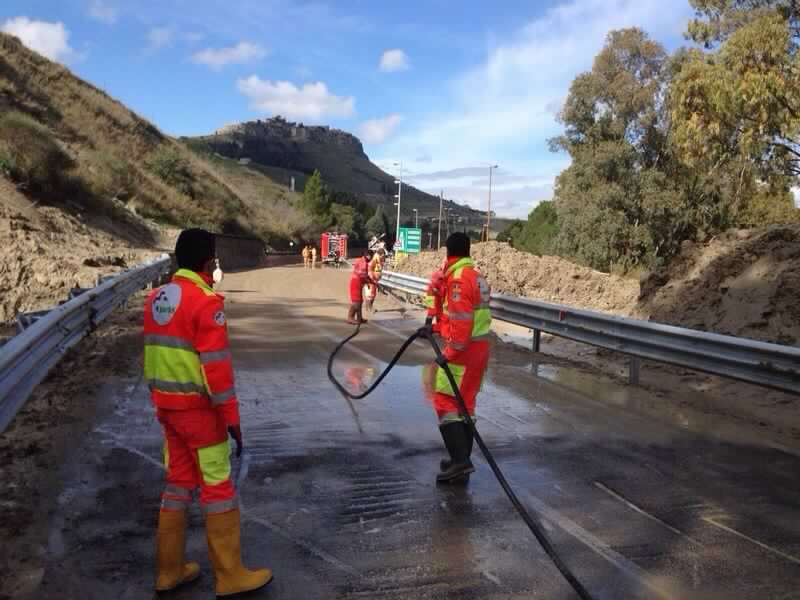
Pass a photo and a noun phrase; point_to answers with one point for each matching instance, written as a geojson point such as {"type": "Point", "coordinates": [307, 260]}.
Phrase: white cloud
{"type": "Point", "coordinates": [376, 131]}
{"type": "Point", "coordinates": [51, 40]}
{"type": "Point", "coordinates": [504, 109]}
{"type": "Point", "coordinates": [217, 58]}
{"type": "Point", "coordinates": [103, 11]}
{"type": "Point", "coordinates": [394, 60]}
{"type": "Point", "coordinates": [158, 38]}
{"type": "Point", "coordinates": [310, 102]}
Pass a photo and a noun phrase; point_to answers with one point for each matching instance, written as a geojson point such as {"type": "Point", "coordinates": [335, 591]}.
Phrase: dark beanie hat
{"type": "Point", "coordinates": [194, 248]}
{"type": "Point", "coordinates": [458, 245]}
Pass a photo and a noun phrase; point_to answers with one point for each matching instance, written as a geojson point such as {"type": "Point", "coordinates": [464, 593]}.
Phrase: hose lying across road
{"type": "Point", "coordinates": [425, 333]}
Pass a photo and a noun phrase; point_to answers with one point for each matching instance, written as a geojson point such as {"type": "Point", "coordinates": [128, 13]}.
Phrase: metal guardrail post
{"type": "Point", "coordinates": [537, 340]}
{"type": "Point", "coordinates": [633, 370]}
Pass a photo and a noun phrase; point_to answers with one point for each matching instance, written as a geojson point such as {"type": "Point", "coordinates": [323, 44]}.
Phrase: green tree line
{"type": "Point", "coordinates": [668, 148]}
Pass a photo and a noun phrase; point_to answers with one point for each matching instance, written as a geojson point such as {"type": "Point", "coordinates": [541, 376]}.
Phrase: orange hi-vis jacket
{"type": "Point", "coordinates": [187, 362]}
{"type": "Point", "coordinates": [467, 318]}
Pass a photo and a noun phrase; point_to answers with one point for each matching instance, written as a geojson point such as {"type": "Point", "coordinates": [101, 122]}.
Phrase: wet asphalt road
{"type": "Point", "coordinates": [340, 500]}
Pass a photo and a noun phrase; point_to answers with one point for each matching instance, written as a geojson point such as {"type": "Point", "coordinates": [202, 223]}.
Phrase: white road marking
{"type": "Point", "coordinates": [644, 513]}
{"type": "Point", "coordinates": [766, 547]}
{"type": "Point", "coordinates": [626, 566]}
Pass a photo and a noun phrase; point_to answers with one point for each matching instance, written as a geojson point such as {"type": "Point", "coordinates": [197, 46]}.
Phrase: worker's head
{"type": "Point", "coordinates": [458, 245]}
{"type": "Point", "coordinates": [196, 250]}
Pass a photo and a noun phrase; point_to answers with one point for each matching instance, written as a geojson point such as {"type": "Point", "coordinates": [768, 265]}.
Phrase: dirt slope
{"type": "Point", "coordinates": [47, 251]}
{"type": "Point", "coordinates": [546, 278]}
{"type": "Point", "coordinates": [743, 283]}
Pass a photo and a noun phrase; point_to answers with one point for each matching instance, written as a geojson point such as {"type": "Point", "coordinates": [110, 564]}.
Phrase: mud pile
{"type": "Point", "coordinates": [744, 283]}
{"type": "Point", "coordinates": [546, 278]}
{"type": "Point", "coordinates": [47, 251]}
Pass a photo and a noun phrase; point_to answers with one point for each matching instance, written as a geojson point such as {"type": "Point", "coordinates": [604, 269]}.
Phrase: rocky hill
{"type": "Point", "coordinates": [296, 150]}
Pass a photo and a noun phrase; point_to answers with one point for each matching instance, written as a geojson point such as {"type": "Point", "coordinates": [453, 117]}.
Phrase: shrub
{"type": "Point", "coordinates": [30, 154]}
{"type": "Point", "coordinates": [173, 169]}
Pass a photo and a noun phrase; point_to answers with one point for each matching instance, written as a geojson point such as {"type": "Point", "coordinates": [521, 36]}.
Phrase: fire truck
{"type": "Point", "coordinates": [333, 248]}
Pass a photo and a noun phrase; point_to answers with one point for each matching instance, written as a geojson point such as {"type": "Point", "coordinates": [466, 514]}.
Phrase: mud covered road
{"type": "Point", "coordinates": [340, 499]}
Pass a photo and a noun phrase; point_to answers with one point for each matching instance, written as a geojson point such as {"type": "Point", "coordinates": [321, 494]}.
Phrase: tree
{"type": "Point", "coordinates": [538, 234]}
{"type": "Point", "coordinates": [378, 224]}
{"type": "Point", "coordinates": [716, 20]}
{"type": "Point", "coordinates": [618, 203]}
{"type": "Point", "coordinates": [741, 105]}
{"type": "Point", "coordinates": [316, 199]}
{"type": "Point", "coordinates": [511, 233]}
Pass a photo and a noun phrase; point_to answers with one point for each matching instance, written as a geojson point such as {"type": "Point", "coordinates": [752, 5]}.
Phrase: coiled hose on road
{"type": "Point", "coordinates": [425, 333]}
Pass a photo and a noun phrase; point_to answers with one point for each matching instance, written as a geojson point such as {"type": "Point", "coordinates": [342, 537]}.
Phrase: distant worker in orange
{"type": "Point", "coordinates": [358, 278]}
{"type": "Point", "coordinates": [187, 364]}
{"type": "Point", "coordinates": [313, 257]}
{"type": "Point", "coordinates": [306, 257]}
{"type": "Point", "coordinates": [459, 303]}
{"type": "Point", "coordinates": [375, 271]}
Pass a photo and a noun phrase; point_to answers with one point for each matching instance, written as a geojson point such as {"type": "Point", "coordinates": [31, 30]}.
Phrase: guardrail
{"type": "Point", "coordinates": [771, 365]}
{"type": "Point", "coordinates": [26, 358]}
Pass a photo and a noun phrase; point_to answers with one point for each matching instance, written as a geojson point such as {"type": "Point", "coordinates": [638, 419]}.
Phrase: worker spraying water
{"type": "Point", "coordinates": [458, 300]}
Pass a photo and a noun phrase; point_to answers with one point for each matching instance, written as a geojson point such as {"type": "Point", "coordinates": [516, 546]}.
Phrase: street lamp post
{"type": "Point", "coordinates": [439, 231]}
{"type": "Point", "coordinates": [489, 209]}
{"type": "Point", "coordinates": [416, 218]}
{"type": "Point", "coordinates": [399, 182]}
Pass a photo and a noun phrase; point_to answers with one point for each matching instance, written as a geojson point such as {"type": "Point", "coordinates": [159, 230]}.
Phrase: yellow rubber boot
{"type": "Point", "coordinates": [173, 570]}
{"type": "Point", "coordinates": [224, 549]}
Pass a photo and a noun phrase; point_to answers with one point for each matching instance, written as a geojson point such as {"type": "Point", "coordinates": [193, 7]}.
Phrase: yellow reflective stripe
{"type": "Point", "coordinates": [429, 301]}
{"type": "Point", "coordinates": [482, 323]}
{"type": "Point", "coordinates": [443, 383]}
{"type": "Point", "coordinates": [166, 455]}
{"type": "Point", "coordinates": [209, 357]}
{"type": "Point", "coordinates": [172, 365]}
{"type": "Point", "coordinates": [215, 464]}
{"type": "Point", "coordinates": [460, 265]}
{"type": "Point", "coordinates": [196, 279]}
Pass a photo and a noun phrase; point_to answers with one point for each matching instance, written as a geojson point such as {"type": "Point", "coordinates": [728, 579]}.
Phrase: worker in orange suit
{"type": "Point", "coordinates": [375, 271]}
{"type": "Point", "coordinates": [460, 305]}
{"type": "Point", "coordinates": [187, 365]}
{"type": "Point", "coordinates": [358, 278]}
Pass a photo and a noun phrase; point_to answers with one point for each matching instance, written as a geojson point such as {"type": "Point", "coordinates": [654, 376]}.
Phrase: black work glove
{"type": "Point", "coordinates": [426, 331]}
{"type": "Point", "coordinates": [235, 432]}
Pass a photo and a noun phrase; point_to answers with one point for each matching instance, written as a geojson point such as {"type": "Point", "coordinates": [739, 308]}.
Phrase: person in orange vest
{"type": "Point", "coordinates": [460, 306]}
{"type": "Point", "coordinates": [358, 279]}
{"type": "Point", "coordinates": [375, 271]}
{"type": "Point", "coordinates": [187, 365]}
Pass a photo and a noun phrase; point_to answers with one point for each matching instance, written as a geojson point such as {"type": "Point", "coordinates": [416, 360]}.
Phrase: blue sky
{"type": "Point", "coordinates": [447, 88]}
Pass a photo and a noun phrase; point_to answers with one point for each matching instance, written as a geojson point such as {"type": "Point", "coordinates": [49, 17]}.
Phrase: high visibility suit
{"type": "Point", "coordinates": [187, 365]}
{"type": "Point", "coordinates": [358, 278]}
{"type": "Point", "coordinates": [464, 323]}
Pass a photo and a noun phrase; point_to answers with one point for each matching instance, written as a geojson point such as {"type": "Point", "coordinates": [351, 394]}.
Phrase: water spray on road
{"type": "Point", "coordinates": [426, 333]}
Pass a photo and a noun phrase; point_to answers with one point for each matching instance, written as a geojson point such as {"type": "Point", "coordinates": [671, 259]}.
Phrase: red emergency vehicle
{"type": "Point", "coordinates": [334, 248]}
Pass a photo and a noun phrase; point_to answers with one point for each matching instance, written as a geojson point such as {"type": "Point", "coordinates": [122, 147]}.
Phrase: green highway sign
{"type": "Point", "coordinates": [410, 240]}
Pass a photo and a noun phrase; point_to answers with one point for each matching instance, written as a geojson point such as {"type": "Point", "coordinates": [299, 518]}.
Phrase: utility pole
{"type": "Point", "coordinates": [416, 218]}
{"type": "Point", "coordinates": [399, 183]}
{"type": "Point", "coordinates": [489, 209]}
{"type": "Point", "coordinates": [439, 231]}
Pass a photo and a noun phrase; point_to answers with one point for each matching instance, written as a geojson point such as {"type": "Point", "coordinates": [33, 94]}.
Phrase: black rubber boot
{"type": "Point", "coordinates": [445, 463]}
{"type": "Point", "coordinates": [457, 442]}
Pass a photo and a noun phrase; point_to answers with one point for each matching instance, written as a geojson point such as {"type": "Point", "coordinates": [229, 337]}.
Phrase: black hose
{"type": "Point", "coordinates": [425, 333]}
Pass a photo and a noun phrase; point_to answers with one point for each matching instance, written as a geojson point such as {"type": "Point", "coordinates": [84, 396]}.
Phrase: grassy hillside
{"type": "Point", "coordinates": [65, 142]}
